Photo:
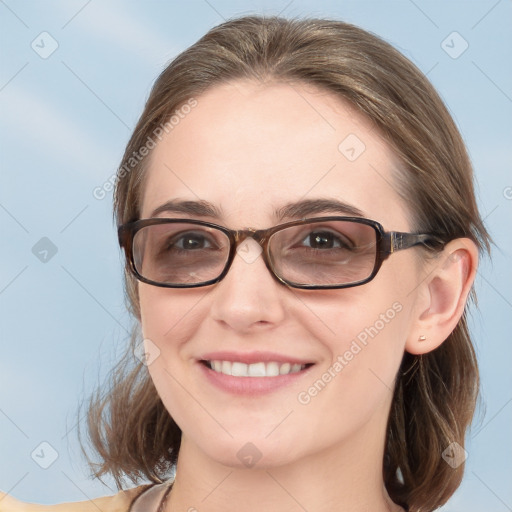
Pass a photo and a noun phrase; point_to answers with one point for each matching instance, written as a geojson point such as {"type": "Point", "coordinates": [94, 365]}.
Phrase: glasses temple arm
{"type": "Point", "coordinates": [399, 241]}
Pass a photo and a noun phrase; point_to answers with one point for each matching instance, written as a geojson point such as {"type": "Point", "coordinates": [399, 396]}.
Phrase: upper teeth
{"type": "Point", "coordinates": [271, 369]}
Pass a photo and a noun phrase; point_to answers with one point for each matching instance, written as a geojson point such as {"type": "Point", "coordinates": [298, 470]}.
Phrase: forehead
{"type": "Point", "coordinates": [250, 148]}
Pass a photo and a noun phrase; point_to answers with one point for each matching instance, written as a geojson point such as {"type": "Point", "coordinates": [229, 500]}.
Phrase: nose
{"type": "Point", "coordinates": [248, 298]}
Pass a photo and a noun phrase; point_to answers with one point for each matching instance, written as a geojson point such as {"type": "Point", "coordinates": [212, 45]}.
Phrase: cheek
{"type": "Point", "coordinates": [356, 382]}
{"type": "Point", "coordinates": [169, 320]}
{"type": "Point", "coordinates": [168, 314]}
{"type": "Point", "coordinates": [365, 330]}
{"type": "Point", "coordinates": [366, 341]}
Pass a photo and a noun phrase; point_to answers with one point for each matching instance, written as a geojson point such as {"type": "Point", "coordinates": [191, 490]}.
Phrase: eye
{"type": "Point", "coordinates": [191, 241]}
{"type": "Point", "coordinates": [323, 239]}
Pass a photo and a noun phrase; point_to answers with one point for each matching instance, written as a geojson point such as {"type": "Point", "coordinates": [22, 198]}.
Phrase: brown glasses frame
{"type": "Point", "coordinates": [388, 242]}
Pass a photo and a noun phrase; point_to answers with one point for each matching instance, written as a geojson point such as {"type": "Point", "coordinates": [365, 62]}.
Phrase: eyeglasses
{"type": "Point", "coordinates": [315, 253]}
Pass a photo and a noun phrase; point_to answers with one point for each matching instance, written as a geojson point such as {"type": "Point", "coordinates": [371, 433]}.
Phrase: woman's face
{"type": "Point", "coordinates": [250, 150]}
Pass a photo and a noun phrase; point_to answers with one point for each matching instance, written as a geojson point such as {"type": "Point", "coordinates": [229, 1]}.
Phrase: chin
{"type": "Point", "coordinates": [250, 456]}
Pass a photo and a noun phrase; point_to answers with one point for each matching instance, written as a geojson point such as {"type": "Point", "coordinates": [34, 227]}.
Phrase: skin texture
{"type": "Point", "coordinates": [250, 148]}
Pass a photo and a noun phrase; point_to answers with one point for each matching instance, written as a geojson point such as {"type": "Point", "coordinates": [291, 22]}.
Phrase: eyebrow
{"type": "Point", "coordinates": [199, 208]}
{"type": "Point", "coordinates": [294, 210]}
{"type": "Point", "coordinates": [301, 209]}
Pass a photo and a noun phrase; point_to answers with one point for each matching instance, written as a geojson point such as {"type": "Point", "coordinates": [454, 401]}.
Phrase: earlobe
{"type": "Point", "coordinates": [443, 295]}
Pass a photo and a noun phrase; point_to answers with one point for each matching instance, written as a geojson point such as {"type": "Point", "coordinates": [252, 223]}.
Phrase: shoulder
{"type": "Point", "coordinates": [119, 502]}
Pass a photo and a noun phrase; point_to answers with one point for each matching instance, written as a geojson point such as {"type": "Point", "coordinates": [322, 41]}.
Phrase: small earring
{"type": "Point", "coordinates": [422, 338]}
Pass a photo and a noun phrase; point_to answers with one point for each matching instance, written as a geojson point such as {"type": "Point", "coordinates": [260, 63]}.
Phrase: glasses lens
{"type": "Point", "coordinates": [180, 253]}
{"type": "Point", "coordinates": [324, 253]}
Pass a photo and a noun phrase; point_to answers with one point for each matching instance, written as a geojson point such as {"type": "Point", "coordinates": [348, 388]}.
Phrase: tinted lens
{"type": "Point", "coordinates": [180, 253]}
{"type": "Point", "coordinates": [324, 253]}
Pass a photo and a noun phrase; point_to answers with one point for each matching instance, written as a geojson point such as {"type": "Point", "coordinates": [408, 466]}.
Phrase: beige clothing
{"type": "Point", "coordinates": [145, 498]}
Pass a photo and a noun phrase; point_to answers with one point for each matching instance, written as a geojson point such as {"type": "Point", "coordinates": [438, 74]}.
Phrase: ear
{"type": "Point", "coordinates": [442, 296]}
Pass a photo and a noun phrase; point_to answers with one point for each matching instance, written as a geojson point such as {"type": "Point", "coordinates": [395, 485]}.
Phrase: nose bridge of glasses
{"type": "Point", "coordinates": [250, 244]}
{"type": "Point", "coordinates": [258, 235]}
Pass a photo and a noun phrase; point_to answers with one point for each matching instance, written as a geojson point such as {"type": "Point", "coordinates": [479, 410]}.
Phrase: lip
{"type": "Point", "coordinates": [251, 386]}
{"type": "Point", "coordinates": [253, 357]}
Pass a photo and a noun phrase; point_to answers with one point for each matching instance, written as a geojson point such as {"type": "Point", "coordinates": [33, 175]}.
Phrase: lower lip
{"type": "Point", "coordinates": [250, 385]}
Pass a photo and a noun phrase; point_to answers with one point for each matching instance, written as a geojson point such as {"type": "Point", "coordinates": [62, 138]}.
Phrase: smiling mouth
{"type": "Point", "coordinates": [260, 369]}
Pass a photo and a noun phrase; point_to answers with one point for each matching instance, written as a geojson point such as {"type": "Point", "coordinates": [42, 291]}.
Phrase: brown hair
{"type": "Point", "coordinates": [436, 393]}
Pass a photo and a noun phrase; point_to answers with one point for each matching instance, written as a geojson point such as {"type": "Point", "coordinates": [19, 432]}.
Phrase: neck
{"type": "Point", "coordinates": [344, 478]}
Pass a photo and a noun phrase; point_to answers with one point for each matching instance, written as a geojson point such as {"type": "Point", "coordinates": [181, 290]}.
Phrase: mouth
{"type": "Point", "coordinates": [252, 373]}
{"type": "Point", "coordinates": [256, 369]}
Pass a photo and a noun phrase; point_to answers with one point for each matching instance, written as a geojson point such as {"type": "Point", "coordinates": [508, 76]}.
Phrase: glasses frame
{"type": "Point", "coordinates": [388, 242]}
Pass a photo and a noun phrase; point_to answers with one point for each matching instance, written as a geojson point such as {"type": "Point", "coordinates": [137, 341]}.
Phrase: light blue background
{"type": "Point", "coordinates": [64, 123]}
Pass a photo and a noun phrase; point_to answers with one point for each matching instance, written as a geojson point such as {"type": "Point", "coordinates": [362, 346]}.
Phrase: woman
{"type": "Point", "coordinates": [301, 236]}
